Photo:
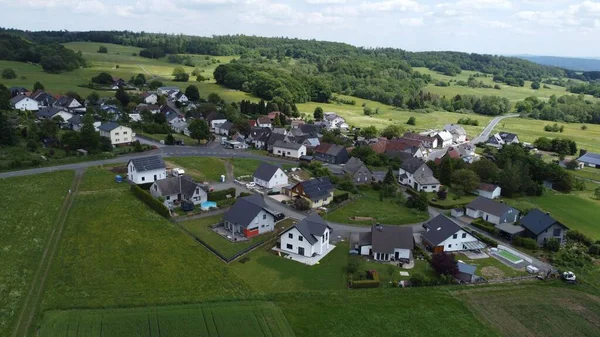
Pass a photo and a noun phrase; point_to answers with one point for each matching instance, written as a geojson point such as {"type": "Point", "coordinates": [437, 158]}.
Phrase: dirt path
{"type": "Point", "coordinates": [34, 296]}
{"type": "Point", "coordinates": [146, 71]}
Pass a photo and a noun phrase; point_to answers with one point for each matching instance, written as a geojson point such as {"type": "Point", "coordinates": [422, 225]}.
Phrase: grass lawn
{"type": "Point", "coordinates": [200, 168]}
{"type": "Point", "coordinates": [101, 178]}
{"type": "Point", "coordinates": [386, 211]}
{"type": "Point", "coordinates": [421, 266]}
{"type": "Point", "coordinates": [162, 136]}
{"type": "Point", "coordinates": [587, 173]}
{"type": "Point", "coordinates": [213, 319]}
{"type": "Point", "coordinates": [201, 229]}
{"type": "Point", "coordinates": [29, 208]}
{"type": "Point", "coordinates": [451, 199]}
{"type": "Point", "coordinates": [245, 167]}
{"type": "Point", "coordinates": [265, 272]}
{"type": "Point", "coordinates": [116, 251]}
{"type": "Point", "coordinates": [491, 268]}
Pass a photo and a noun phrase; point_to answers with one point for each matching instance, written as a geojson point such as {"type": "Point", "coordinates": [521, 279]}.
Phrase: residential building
{"type": "Point", "coordinates": [75, 122]}
{"type": "Point", "coordinates": [387, 243]}
{"type": "Point", "coordinates": [270, 176]}
{"type": "Point", "coordinates": [16, 91]}
{"type": "Point", "coordinates": [289, 150]}
{"type": "Point", "coordinates": [264, 122]}
{"type": "Point", "coordinates": [541, 226]}
{"type": "Point", "coordinates": [331, 153]}
{"type": "Point", "coordinates": [500, 139]}
{"type": "Point", "coordinates": [414, 147]}
{"type": "Point", "coordinates": [152, 108]}
{"type": "Point", "coordinates": [589, 159]}
{"type": "Point", "coordinates": [118, 134]}
{"type": "Point", "coordinates": [177, 189]}
{"type": "Point", "coordinates": [444, 139]}
{"type": "Point", "coordinates": [332, 121]}
{"type": "Point", "coordinates": [52, 112]}
{"type": "Point", "coordinates": [357, 171]}
{"type": "Point", "coordinates": [489, 191]}
{"type": "Point", "coordinates": [214, 119]}
{"type": "Point", "coordinates": [565, 163]}
{"type": "Point", "coordinates": [459, 135]}
{"type": "Point", "coordinates": [150, 98]}
{"type": "Point", "coordinates": [165, 90]}
{"type": "Point", "coordinates": [24, 103]}
{"type": "Point", "coordinates": [146, 170]}
{"type": "Point", "coordinates": [427, 141]}
{"type": "Point", "coordinates": [309, 237]}
{"type": "Point", "coordinates": [491, 211]}
{"type": "Point", "coordinates": [417, 175]}
{"type": "Point", "coordinates": [43, 98]}
{"type": "Point", "coordinates": [259, 137]}
{"type": "Point", "coordinates": [317, 191]}
{"type": "Point", "coordinates": [443, 235]}
{"type": "Point", "coordinates": [249, 217]}
{"type": "Point", "coordinates": [224, 129]}
{"type": "Point", "coordinates": [180, 97]}
{"type": "Point", "coordinates": [69, 103]}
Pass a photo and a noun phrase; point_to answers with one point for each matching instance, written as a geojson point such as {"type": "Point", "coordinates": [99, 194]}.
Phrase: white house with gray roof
{"type": "Point", "coordinates": [289, 149]}
{"type": "Point", "coordinates": [444, 235]}
{"type": "Point", "coordinates": [590, 159]}
{"type": "Point", "coordinates": [387, 243]}
{"type": "Point", "coordinates": [249, 216]}
{"type": "Point", "coordinates": [181, 188]}
{"type": "Point", "coordinates": [417, 175]}
{"type": "Point", "coordinates": [146, 170]}
{"type": "Point", "coordinates": [491, 211]}
{"type": "Point", "coordinates": [24, 103]}
{"type": "Point", "coordinates": [118, 134]}
{"type": "Point", "coordinates": [309, 237]}
{"type": "Point", "coordinates": [270, 176]}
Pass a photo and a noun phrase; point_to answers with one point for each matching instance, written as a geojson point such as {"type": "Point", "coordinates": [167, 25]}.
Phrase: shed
{"type": "Point", "coordinates": [457, 212]}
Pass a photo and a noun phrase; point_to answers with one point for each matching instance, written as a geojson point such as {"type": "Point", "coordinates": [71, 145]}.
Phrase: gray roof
{"type": "Point", "coordinates": [386, 238]}
{"type": "Point", "coordinates": [466, 268]}
{"type": "Point", "coordinates": [317, 188]}
{"type": "Point", "coordinates": [424, 176]}
{"type": "Point", "coordinates": [490, 206]}
{"type": "Point", "coordinates": [108, 127]}
{"type": "Point", "coordinates": [226, 126]}
{"type": "Point", "coordinates": [17, 99]}
{"type": "Point", "coordinates": [353, 165]}
{"type": "Point", "coordinates": [287, 145]}
{"type": "Point", "coordinates": [265, 171]}
{"type": "Point", "coordinates": [507, 136]}
{"type": "Point", "coordinates": [245, 210]}
{"type": "Point", "coordinates": [536, 221]}
{"type": "Point", "coordinates": [64, 101]}
{"type": "Point", "coordinates": [311, 227]}
{"type": "Point", "coordinates": [48, 112]}
{"type": "Point", "coordinates": [148, 163]}
{"type": "Point", "coordinates": [590, 158]}
{"type": "Point", "coordinates": [411, 165]}
{"type": "Point", "coordinates": [76, 120]}
{"type": "Point", "coordinates": [439, 229]}
{"type": "Point", "coordinates": [176, 185]}
{"type": "Point", "coordinates": [455, 129]}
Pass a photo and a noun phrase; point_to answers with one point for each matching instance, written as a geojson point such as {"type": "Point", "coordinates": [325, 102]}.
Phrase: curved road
{"type": "Point", "coordinates": [485, 134]}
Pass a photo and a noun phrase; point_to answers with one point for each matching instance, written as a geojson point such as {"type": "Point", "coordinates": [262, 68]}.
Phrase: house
{"type": "Point", "coordinates": [466, 273]}
{"type": "Point", "coordinates": [310, 128]}
{"type": "Point", "coordinates": [357, 171]}
{"type": "Point", "coordinates": [249, 217]}
{"type": "Point", "coordinates": [152, 108]}
{"type": "Point", "coordinates": [317, 191]}
{"type": "Point", "coordinates": [288, 149]}
{"type": "Point", "coordinates": [149, 98]}
{"type": "Point", "coordinates": [274, 137]}
{"type": "Point", "coordinates": [52, 112]}
{"type": "Point", "coordinates": [427, 141]}
{"type": "Point", "coordinates": [165, 90]}
{"type": "Point", "coordinates": [180, 97]}
{"type": "Point", "coordinates": [565, 163]}
{"type": "Point", "coordinates": [146, 170]}
{"type": "Point", "coordinates": [310, 141]}
{"type": "Point", "coordinates": [43, 98]}
{"type": "Point", "coordinates": [499, 139]}
{"type": "Point", "coordinates": [281, 131]}
{"type": "Point", "coordinates": [491, 211]}
{"type": "Point", "coordinates": [444, 139]}
{"type": "Point", "coordinates": [214, 119]}
{"type": "Point", "coordinates": [443, 235]}
{"type": "Point", "coordinates": [309, 237]}
{"type": "Point", "coordinates": [269, 176]}
{"type": "Point", "coordinates": [414, 147]}
{"type": "Point", "coordinates": [24, 103]}
{"type": "Point", "coordinates": [68, 103]}
{"type": "Point", "coordinates": [224, 129]}
{"type": "Point", "coordinates": [264, 122]}
{"type": "Point", "coordinates": [296, 123]}
{"type": "Point", "coordinates": [489, 191]}
{"type": "Point", "coordinates": [387, 243]}
{"type": "Point", "coordinates": [75, 122]}
{"type": "Point", "coordinates": [332, 121]}
{"type": "Point", "coordinates": [541, 226]}
{"type": "Point", "coordinates": [179, 125]}
{"type": "Point", "coordinates": [589, 159]}
{"type": "Point", "coordinates": [16, 91]}
{"type": "Point", "coordinates": [459, 135]}
{"type": "Point", "coordinates": [331, 153]}
{"type": "Point", "coordinates": [181, 188]}
{"type": "Point", "coordinates": [259, 137]}
{"type": "Point", "coordinates": [118, 134]}
{"type": "Point", "coordinates": [417, 175]}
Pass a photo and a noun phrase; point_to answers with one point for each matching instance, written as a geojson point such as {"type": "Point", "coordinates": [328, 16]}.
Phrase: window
{"type": "Point", "coordinates": [464, 235]}
{"type": "Point", "coordinates": [290, 247]}
{"type": "Point", "coordinates": [117, 140]}
{"type": "Point", "coordinates": [289, 152]}
{"type": "Point", "coordinates": [125, 132]}
{"type": "Point", "coordinates": [300, 238]}
{"type": "Point", "coordinates": [116, 133]}
{"type": "Point", "coordinates": [557, 232]}
{"type": "Point", "coordinates": [143, 178]}
{"type": "Point", "coordinates": [291, 236]}
{"type": "Point", "coordinates": [264, 216]}
{"type": "Point", "coordinates": [168, 197]}
{"type": "Point", "coordinates": [262, 226]}
{"type": "Point", "coordinates": [449, 245]}
{"type": "Point", "coordinates": [455, 236]}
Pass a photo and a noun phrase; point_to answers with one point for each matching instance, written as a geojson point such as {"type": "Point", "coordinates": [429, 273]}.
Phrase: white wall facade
{"type": "Point", "coordinates": [401, 254]}
{"type": "Point", "coordinates": [455, 243]}
{"type": "Point", "coordinates": [278, 179]}
{"type": "Point", "coordinates": [120, 135]}
{"type": "Point", "coordinates": [485, 216]}
{"type": "Point", "coordinates": [290, 153]}
{"type": "Point", "coordinates": [490, 195]}
{"type": "Point", "coordinates": [366, 250]}
{"type": "Point", "coordinates": [216, 122]}
{"type": "Point", "coordinates": [146, 176]}
{"type": "Point", "coordinates": [263, 221]}
{"type": "Point", "coordinates": [290, 241]}
{"type": "Point", "coordinates": [27, 104]}
{"type": "Point", "coordinates": [151, 99]}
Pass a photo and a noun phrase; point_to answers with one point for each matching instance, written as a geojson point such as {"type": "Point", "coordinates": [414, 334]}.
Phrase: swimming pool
{"type": "Point", "coordinates": [509, 256]}
{"type": "Point", "coordinates": [205, 206]}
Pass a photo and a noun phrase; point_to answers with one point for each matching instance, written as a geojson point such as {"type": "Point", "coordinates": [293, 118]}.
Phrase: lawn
{"type": "Point", "coordinates": [200, 168]}
{"type": "Point", "coordinates": [213, 319]}
{"type": "Point", "coordinates": [385, 212]}
{"type": "Point", "coordinates": [421, 267]}
{"type": "Point", "coordinates": [29, 208]}
{"type": "Point", "coordinates": [587, 173]}
{"type": "Point", "coordinates": [265, 272]}
{"type": "Point", "coordinates": [101, 178]}
{"type": "Point", "coordinates": [201, 229]}
{"type": "Point", "coordinates": [162, 136]}
{"type": "Point", "coordinates": [534, 310]}
{"type": "Point", "coordinates": [247, 167]}
{"type": "Point", "coordinates": [116, 251]}
{"type": "Point", "coordinates": [452, 200]}
{"type": "Point", "coordinates": [491, 268]}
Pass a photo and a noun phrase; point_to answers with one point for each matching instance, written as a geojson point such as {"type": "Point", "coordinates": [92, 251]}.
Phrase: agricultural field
{"type": "Point", "coordinates": [200, 168]}
{"type": "Point", "coordinates": [385, 212]}
{"type": "Point", "coordinates": [588, 173]}
{"type": "Point", "coordinates": [215, 319]}
{"type": "Point", "coordinates": [116, 251]}
{"type": "Point", "coordinates": [100, 178]}
{"type": "Point", "coordinates": [29, 209]}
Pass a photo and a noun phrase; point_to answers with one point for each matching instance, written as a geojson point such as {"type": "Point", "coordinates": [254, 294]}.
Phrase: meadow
{"type": "Point", "coordinates": [200, 168]}
{"type": "Point", "coordinates": [29, 209]}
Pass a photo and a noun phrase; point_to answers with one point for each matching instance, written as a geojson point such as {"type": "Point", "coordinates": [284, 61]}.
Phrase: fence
{"type": "Point", "coordinates": [510, 279]}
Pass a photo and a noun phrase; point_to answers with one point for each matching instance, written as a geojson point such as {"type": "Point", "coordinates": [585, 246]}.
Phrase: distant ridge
{"type": "Point", "coordinates": [571, 63]}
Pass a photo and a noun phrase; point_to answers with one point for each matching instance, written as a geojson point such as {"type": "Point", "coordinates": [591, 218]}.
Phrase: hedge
{"type": "Point", "coordinates": [149, 200]}
{"type": "Point", "coordinates": [579, 237]}
{"type": "Point", "coordinates": [528, 243]}
{"type": "Point", "coordinates": [374, 283]}
{"type": "Point", "coordinates": [485, 239]}
{"type": "Point", "coordinates": [221, 195]}
{"type": "Point", "coordinates": [440, 206]}
{"type": "Point", "coordinates": [423, 252]}
{"type": "Point", "coordinates": [484, 225]}
{"type": "Point", "coordinates": [340, 197]}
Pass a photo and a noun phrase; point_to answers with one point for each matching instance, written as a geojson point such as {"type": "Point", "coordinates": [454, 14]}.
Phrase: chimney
{"type": "Point", "coordinates": [547, 213]}
{"type": "Point", "coordinates": [582, 152]}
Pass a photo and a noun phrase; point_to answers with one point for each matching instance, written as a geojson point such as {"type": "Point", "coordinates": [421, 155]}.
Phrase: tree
{"type": "Point", "coordinates": [7, 132]}
{"type": "Point", "coordinates": [318, 114]}
{"type": "Point", "coordinates": [444, 264]}
{"type": "Point", "coordinates": [139, 80]}
{"type": "Point", "coordinates": [9, 74]}
{"type": "Point", "coordinates": [180, 75]}
{"type": "Point", "coordinates": [486, 170]}
{"type": "Point", "coordinates": [302, 204]}
{"type": "Point", "coordinates": [48, 129]}
{"type": "Point", "coordinates": [89, 138]}
{"type": "Point", "coordinates": [584, 127]}
{"type": "Point", "coordinates": [465, 180]}
{"type": "Point", "coordinates": [535, 85]}
{"type": "Point", "coordinates": [102, 78]}
{"type": "Point", "coordinates": [214, 98]}
{"type": "Point", "coordinates": [102, 50]}
{"type": "Point", "coordinates": [70, 140]}
{"type": "Point", "coordinates": [93, 98]}
{"type": "Point", "coordinates": [369, 132]}
{"type": "Point", "coordinates": [38, 86]}
{"type": "Point", "coordinates": [4, 98]}
{"type": "Point", "coordinates": [155, 84]}
{"type": "Point", "coordinates": [445, 170]}
{"type": "Point", "coordinates": [392, 131]}
{"type": "Point", "coordinates": [419, 202]}
{"type": "Point", "coordinates": [412, 121]}
{"type": "Point", "coordinates": [355, 264]}
{"type": "Point", "coordinates": [122, 96]}
{"type": "Point", "coordinates": [597, 192]}
{"type": "Point", "coordinates": [192, 93]}
{"type": "Point", "coordinates": [389, 179]}
{"type": "Point", "coordinates": [170, 140]}
{"type": "Point", "coordinates": [199, 130]}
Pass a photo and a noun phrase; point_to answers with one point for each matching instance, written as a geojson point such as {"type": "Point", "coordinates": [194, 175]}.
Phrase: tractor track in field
{"type": "Point", "coordinates": [32, 301]}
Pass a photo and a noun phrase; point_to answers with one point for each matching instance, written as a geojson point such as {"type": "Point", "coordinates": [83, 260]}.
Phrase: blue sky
{"type": "Point", "coordinates": [542, 27]}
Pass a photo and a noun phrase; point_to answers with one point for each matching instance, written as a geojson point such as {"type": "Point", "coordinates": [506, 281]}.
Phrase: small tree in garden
{"type": "Point", "coordinates": [302, 204]}
{"type": "Point", "coordinates": [444, 264]}
{"type": "Point", "coordinates": [442, 194]}
{"type": "Point", "coordinates": [354, 265]}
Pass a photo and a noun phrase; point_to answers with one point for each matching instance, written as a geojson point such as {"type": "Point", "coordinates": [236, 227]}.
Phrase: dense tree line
{"type": "Point", "coordinates": [586, 88]}
{"type": "Point", "coordinates": [567, 108]}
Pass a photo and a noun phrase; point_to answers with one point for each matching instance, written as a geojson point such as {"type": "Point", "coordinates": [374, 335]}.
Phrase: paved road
{"type": "Point", "coordinates": [485, 134]}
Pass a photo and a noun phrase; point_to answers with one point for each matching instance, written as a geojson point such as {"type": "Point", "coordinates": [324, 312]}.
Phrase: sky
{"type": "Point", "coordinates": [509, 27]}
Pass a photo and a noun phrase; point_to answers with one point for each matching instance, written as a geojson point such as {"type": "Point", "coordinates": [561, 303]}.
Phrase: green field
{"type": "Point", "coordinates": [100, 178]}
{"type": "Point", "coordinates": [214, 319]}
{"type": "Point", "coordinates": [115, 251]}
{"type": "Point", "coordinates": [247, 167]}
{"type": "Point", "coordinates": [588, 173]}
{"type": "Point", "coordinates": [29, 208]}
{"type": "Point", "coordinates": [200, 168]}
{"type": "Point", "coordinates": [386, 211]}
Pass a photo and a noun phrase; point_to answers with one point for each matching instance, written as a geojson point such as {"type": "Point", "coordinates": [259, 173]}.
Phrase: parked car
{"type": "Point", "coordinates": [250, 184]}
{"type": "Point", "coordinates": [279, 216]}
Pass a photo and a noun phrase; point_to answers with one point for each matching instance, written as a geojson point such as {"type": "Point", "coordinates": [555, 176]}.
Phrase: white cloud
{"type": "Point", "coordinates": [325, 2]}
{"type": "Point", "coordinates": [411, 22]}
{"type": "Point", "coordinates": [92, 6]}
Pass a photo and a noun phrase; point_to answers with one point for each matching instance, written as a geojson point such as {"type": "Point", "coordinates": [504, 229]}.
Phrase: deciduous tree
{"type": "Point", "coordinates": [199, 130]}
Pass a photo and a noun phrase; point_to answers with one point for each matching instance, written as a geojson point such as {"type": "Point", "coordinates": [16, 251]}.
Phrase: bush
{"type": "Point", "coordinates": [579, 237]}
{"type": "Point", "coordinates": [552, 245]}
{"type": "Point", "coordinates": [9, 74]}
{"type": "Point", "coordinates": [594, 249]}
{"type": "Point", "coordinates": [302, 204]}
{"type": "Point", "coordinates": [244, 194]}
{"type": "Point", "coordinates": [419, 280]}
{"type": "Point", "coordinates": [340, 197]}
{"type": "Point", "coordinates": [484, 225]}
{"type": "Point", "coordinates": [444, 264]}
{"type": "Point", "coordinates": [149, 200]}
{"type": "Point", "coordinates": [354, 264]}
{"type": "Point", "coordinates": [221, 195]}
{"type": "Point", "coordinates": [420, 250]}
{"type": "Point", "coordinates": [528, 243]}
{"type": "Point", "coordinates": [373, 282]}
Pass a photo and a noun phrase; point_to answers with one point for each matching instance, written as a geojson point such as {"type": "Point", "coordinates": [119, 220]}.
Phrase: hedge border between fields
{"type": "Point", "coordinates": [362, 284]}
{"type": "Point", "coordinates": [152, 202]}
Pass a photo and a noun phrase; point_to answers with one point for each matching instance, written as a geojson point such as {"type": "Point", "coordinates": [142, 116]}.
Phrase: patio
{"type": "Point", "coordinates": [311, 261]}
{"type": "Point", "coordinates": [220, 229]}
